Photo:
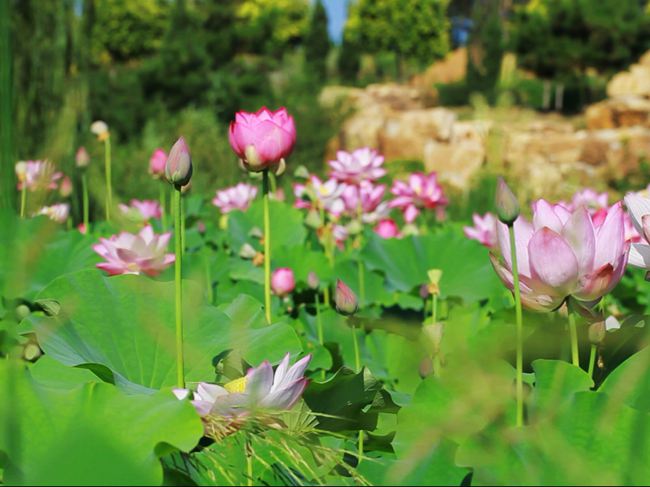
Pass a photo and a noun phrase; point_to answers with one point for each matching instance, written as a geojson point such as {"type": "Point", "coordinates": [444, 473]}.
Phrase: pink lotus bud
{"type": "Point", "coordinates": [345, 299]}
{"type": "Point", "coordinates": [82, 158]}
{"type": "Point", "coordinates": [262, 139]}
{"type": "Point", "coordinates": [312, 280]}
{"type": "Point", "coordinates": [506, 203]}
{"type": "Point", "coordinates": [65, 189]}
{"type": "Point", "coordinates": [157, 163]}
{"type": "Point", "coordinates": [387, 228]}
{"type": "Point", "coordinates": [283, 281]}
{"type": "Point", "coordinates": [178, 167]}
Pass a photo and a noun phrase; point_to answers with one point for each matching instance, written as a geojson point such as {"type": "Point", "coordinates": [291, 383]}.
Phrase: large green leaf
{"type": "Point", "coordinates": [555, 382]}
{"type": "Point", "coordinates": [630, 381]}
{"type": "Point", "coordinates": [91, 434]}
{"type": "Point", "coordinates": [35, 251]}
{"type": "Point", "coordinates": [126, 325]}
{"type": "Point", "coordinates": [467, 272]}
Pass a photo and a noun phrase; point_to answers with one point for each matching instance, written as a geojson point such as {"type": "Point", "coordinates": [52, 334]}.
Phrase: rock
{"type": "Point", "coordinates": [456, 163]}
{"type": "Point", "coordinates": [624, 111]}
{"type": "Point", "coordinates": [634, 82]}
{"type": "Point", "coordinates": [451, 69]}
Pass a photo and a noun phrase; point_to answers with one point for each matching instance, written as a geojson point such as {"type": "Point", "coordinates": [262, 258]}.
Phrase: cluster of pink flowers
{"type": "Point", "coordinates": [238, 197]}
{"type": "Point", "coordinates": [351, 191]}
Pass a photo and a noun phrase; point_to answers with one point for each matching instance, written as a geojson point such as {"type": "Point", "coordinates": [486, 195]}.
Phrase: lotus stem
{"type": "Point", "coordinates": [437, 364]}
{"type": "Point", "coordinates": [573, 332]}
{"type": "Point", "coordinates": [520, 331]}
{"type": "Point", "coordinates": [326, 296]}
{"type": "Point", "coordinates": [84, 191]}
{"type": "Point", "coordinates": [319, 328]}
{"type": "Point", "coordinates": [23, 200]}
{"type": "Point", "coordinates": [182, 211]}
{"type": "Point", "coordinates": [249, 464]}
{"type": "Point", "coordinates": [592, 360]}
{"type": "Point", "coordinates": [180, 373]}
{"type": "Point", "coordinates": [163, 211]}
{"type": "Point", "coordinates": [267, 246]}
{"type": "Point", "coordinates": [107, 168]}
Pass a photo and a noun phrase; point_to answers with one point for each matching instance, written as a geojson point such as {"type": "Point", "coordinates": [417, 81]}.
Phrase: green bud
{"type": "Point", "coordinates": [178, 168]}
{"type": "Point", "coordinates": [506, 203]}
{"type": "Point", "coordinates": [597, 332]}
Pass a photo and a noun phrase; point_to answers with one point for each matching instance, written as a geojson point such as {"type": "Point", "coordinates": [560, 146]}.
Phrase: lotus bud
{"type": "Point", "coordinates": [346, 301]}
{"type": "Point", "coordinates": [82, 158]}
{"type": "Point", "coordinates": [247, 251]}
{"type": "Point", "coordinates": [283, 281]}
{"type": "Point", "coordinates": [506, 203]}
{"type": "Point", "coordinates": [597, 332]}
{"type": "Point", "coordinates": [178, 168]}
{"type": "Point", "coordinates": [100, 129]}
{"type": "Point", "coordinates": [22, 311]}
{"type": "Point", "coordinates": [65, 189]}
{"type": "Point", "coordinates": [312, 280]}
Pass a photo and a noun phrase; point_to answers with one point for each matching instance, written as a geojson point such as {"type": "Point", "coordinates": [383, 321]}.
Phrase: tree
{"type": "Point", "coordinates": [485, 49]}
{"type": "Point", "coordinates": [317, 41]}
{"type": "Point", "coordinates": [412, 29]}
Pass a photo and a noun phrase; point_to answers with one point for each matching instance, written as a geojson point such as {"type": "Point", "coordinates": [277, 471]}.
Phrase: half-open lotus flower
{"type": "Point", "coordinates": [141, 210]}
{"type": "Point", "coordinates": [260, 390]}
{"type": "Point", "coordinates": [484, 230]}
{"type": "Point", "coordinates": [365, 199]}
{"type": "Point", "coordinates": [262, 139]}
{"type": "Point", "coordinates": [237, 197]}
{"type": "Point", "coordinates": [142, 253]}
{"type": "Point", "coordinates": [420, 191]}
{"type": "Point", "coordinates": [360, 165]}
{"type": "Point", "coordinates": [58, 213]}
{"type": "Point", "coordinates": [563, 253]}
{"type": "Point", "coordinates": [638, 207]}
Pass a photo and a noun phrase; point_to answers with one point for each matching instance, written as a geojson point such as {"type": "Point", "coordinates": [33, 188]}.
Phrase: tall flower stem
{"type": "Point", "coordinates": [437, 365]}
{"type": "Point", "coordinates": [107, 169]}
{"type": "Point", "coordinates": [182, 211]}
{"type": "Point", "coordinates": [23, 200]}
{"type": "Point", "coordinates": [573, 332]}
{"type": "Point", "coordinates": [180, 374]}
{"type": "Point", "coordinates": [85, 201]}
{"type": "Point", "coordinates": [592, 360]}
{"type": "Point", "coordinates": [163, 206]}
{"type": "Point", "coordinates": [326, 295]}
{"type": "Point", "coordinates": [357, 367]}
{"type": "Point", "coordinates": [319, 327]}
{"type": "Point", "coordinates": [267, 246]}
{"type": "Point", "coordinates": [520, 330]}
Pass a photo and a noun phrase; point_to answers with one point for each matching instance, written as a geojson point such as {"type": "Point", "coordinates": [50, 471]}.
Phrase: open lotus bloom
{"type": "Point", "coordinates": [365, 199]}
{"type": "Point", "coordinates": [484, 230]}
{"type": "Point", "coordinates": [318, 194]}
{"type": "Point", "coordinates": [563, 253]}
{"type": "Point", "coordinates": [142, 253]}
{"type": "Point", "coordinates": [360, 165]}
{"type": "Point", "coordinates": [37, 175]}
{"type": "Point", "coordinates": [237, 197]}
{"type": "Point", "coordinates": [260, 390]}
{"type": "Point", "coordinates": [420, 191]}
{"type": "Point", "coordinates": [262, 139]}
{"type": "Point", "coordinates": [639, 208]}
{"type": "Point", "coordinates": [141, 210]}
{"type": "Point", "coordinates": [58, 213]}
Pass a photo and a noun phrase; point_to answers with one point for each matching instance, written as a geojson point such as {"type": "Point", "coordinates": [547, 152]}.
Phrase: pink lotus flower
{"type": "Point", "coordinates": [157, 163]}
{"type": "Point", "coordinates": [260, 389]}
{"type": "Point", "coordinates": [237, 197]}
{"type": "Point", "coordinates": [639, 209]}
{"type": "Point", "coordinates": [82, 158]}
{"type": "Point", "coordinates": [365, 199]}
{"type": "Point", "coordinates": [387, 228]}
{"type": "Point", "coordinates": [360, 165]}
{"type": "Point", "coordinates": [484, 230]}
{"type": "Point", "coordinates": [142, 253]}
{"type": "Point", "coordinates": [283, 281]}
{"type": "Point", "coordinates": [58, 213]}
{"type": "Point", "coordinates": [141, 210]}
{"type": "Point", "coordinates": [37, 175]}
{"type": "Point", "coordinates": [317, 194]}
{"type": "Point", "coordinates": [562, 254]}
{"type": "Point", "coordinates": [420, 191]}
{"type": "Point", "coordinates": [262, 139]}
{"type": "Point", "coordinates": [65, 189]}
{"type": "Point", "coordinates": [590, 199]}
{"type": "Point", "coordinates": [340, 234]}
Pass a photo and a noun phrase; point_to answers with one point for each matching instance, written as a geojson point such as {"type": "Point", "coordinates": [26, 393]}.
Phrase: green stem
{"type": "Point", "coordinates": [592, 360]}
{"type": "Point", "coordinates": [163, 210]}
{"type": "Point", "coordinates": [355, 344]}
{"type": "Point", "coordinates": [437, 365]}
{"type": "Point", "coordinates": [362, 282]}
{"type": "Point", "coordinates": [319, 328]}
{"type": "Point", "coordinates": [267, 246]}
{"type": "Point", "coordinates": [180, 375]}
{"type": "Point", "coordinates": [573, 332]}
{"type": "Point", "coordinates": [182, 209]}
{"type": "Point", "coordinates": [520, 330]}
{"type": "Point", "coordinates": [23, 200]}
{"type": "Point", "coordinates": [249, 464]}
{"type": "Point", "coordinates": [107, 167]}
{"type": "Point", "coordinates": [326, 296]}
{"type": "Point", "coordinates": [84, 191]}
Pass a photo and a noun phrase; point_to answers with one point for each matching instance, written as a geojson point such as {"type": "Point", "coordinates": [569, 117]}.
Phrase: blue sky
{"type": "Point", "coordinates": [337, 11]}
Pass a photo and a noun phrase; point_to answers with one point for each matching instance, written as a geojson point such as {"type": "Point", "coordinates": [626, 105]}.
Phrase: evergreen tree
{"type": "Point", "coordinates": [317, 41]}
{"type": "Point", "coordinates": [486, 48]}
